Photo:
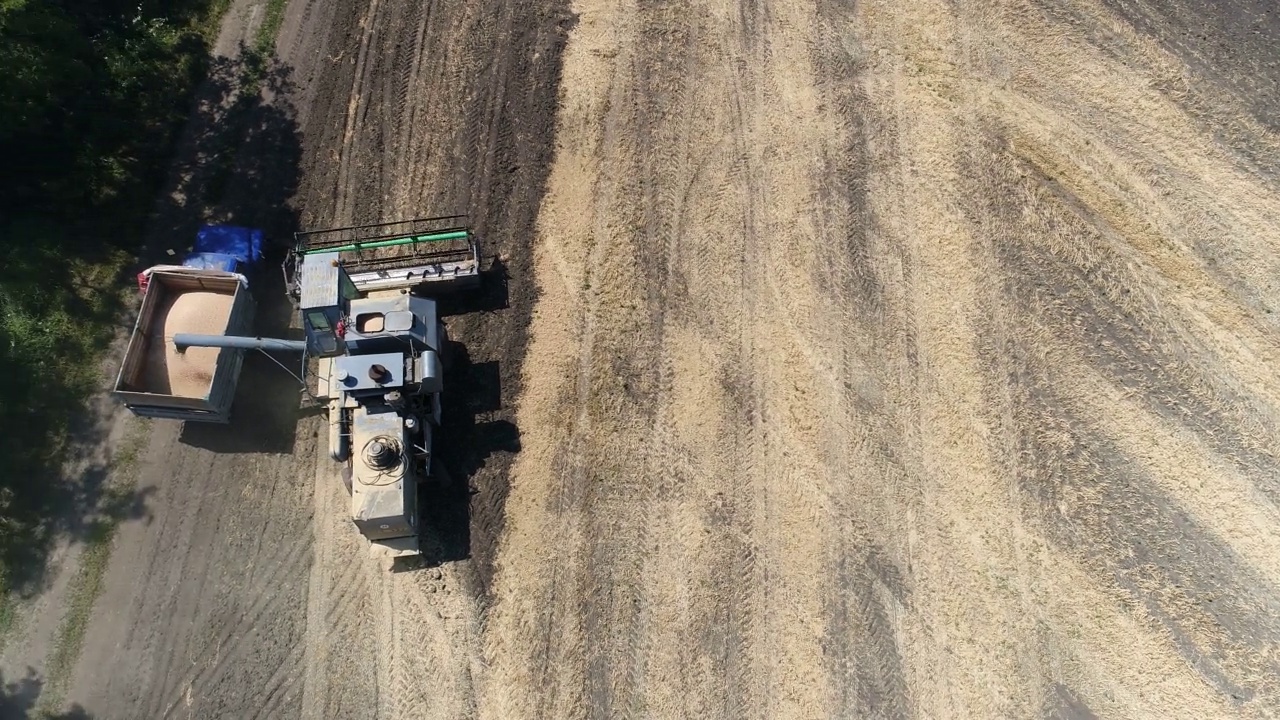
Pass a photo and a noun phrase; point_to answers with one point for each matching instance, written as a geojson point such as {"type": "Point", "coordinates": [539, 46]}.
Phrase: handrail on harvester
{"type": "Point", "coordinates": [398, 253]}
{"type": "Point", "coordinates": [359, 237]}
{"type": "Point", "coordinates": [391, 242]}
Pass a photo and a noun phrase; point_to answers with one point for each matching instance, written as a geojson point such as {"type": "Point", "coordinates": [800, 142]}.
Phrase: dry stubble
{"type": "Point", "coordinates": [893, 360]}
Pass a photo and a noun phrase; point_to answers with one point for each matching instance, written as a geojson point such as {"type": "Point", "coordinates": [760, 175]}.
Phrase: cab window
{"type": "Point", "coordinates": [318, 321]}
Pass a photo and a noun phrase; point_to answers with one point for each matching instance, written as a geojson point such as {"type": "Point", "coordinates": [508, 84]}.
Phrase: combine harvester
{"type": "Point", "coordinates": [362, 293]}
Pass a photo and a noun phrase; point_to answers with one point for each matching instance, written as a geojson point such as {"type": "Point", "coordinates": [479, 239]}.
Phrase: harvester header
{"type": "Point", "coordinates": [434, 253]}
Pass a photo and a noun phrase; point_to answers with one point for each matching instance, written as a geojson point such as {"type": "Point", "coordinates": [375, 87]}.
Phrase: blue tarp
{"type": "Point", "coordinates": [243, 244]}
{"type": "Point", "coordinates": [212, 261]}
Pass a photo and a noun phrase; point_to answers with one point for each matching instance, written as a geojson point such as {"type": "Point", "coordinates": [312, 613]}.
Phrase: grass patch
{"type": "Point", "coordinates": [57, 315]}
{"type": "Point", "coordinates": [87, 584]}
{"type": "Point", "coordinates": [257, 56]}
{"type": "Point", "coordinates": [7, 616]}
{"type": "Point", "coordinates": [264, 41]}
{"type": "Point", "coordinates": [209, 25]}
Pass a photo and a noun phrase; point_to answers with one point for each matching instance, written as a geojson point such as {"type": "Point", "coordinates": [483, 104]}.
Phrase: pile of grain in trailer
{"type": "Point", "coordinates": [189, 373]}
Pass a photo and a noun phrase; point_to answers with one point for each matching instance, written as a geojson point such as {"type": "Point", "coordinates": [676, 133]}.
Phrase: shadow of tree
{"type": "Point", "coordinates": [240, 159]}
{"type": "Point", "coordinates": [244, 171]}
{"type": "Point", "coordinates": [18, 700]}
{"type": "Point", "coordinates": [94, 96]}
{"type": "Point", "coordinates": [237, 162]}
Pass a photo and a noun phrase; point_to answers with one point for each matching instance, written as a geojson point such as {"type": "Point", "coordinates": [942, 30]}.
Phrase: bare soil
{"type": "Point", "coordinates": [871, 359]}
{"type": "Point", "coordinates": [901, 359]}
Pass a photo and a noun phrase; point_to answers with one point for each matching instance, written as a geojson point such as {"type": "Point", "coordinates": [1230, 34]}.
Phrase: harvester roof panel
{"type": "Point", "coordinates": [319, 279]}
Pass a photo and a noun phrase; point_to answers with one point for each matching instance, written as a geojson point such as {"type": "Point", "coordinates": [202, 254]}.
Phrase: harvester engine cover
{"type": "Point", "coordinates": [383, 488]}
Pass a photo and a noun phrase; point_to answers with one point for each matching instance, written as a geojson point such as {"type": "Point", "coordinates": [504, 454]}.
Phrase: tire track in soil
{"type": "Point", "coordinates": [406, 81]}
{"type": "Point", "coordinates": [283, 567]}
{"type": "Point", "coordinates": [796, 512]}
{"type": "Point", "coordinates": [284, 681]}
{"type": "Point", "coordinates": [860, 639]}
{"type": "Point", "coordinates": [868, 303]}
{"type": "Point", "coordinates": [357, 98]}
{"type": "Point", "coordinates": [623, 646]}
{"type": "Point", "coordinates": [224, 587]}
{"type": "Point", "coordinates": [1108, 515]}
{"type": "Point", "coordinates": [672, 537]}
{"type": "Point", "coordinates": [828, 293]}
{"type": "Point", "coordinates": [691, 608]}
{"type": "Point", "coordinates": [193, 596]}
{"type": "Point", "coordinates": [236, 639]}
{"type": "Point", "coordinates": [530, 587]}
{"type": "Point", "coordinates": [736, 587]}
{"type": "Point", "coordinates": [740, 690]}
{"type": "Point", "coordinates": [437, 93]}
{"type": "Point", "coordinates": [572, 589]}
{"type": "Point", "coordinates": [340, 677]}
{"type": "Point", "coordinates": [337, 637]}
{"type": "Point", "coordinates": [346, 616]}
{"type": "Point", "coordinates": [195, 619]}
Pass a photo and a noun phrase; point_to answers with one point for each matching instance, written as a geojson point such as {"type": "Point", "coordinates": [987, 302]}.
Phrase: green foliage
{"type": "Point", "coordinates": [44, 58]}
{"type": "Point", "coordinates": [88, 101]}
{"type": "Point", "coordinates": [91, 97]}
{"type": "Point", "coordinates": [265, 39]}
{"type": "Point", "coordinates": [55, 317]}
{"type": "Point", "coordinates": [256, 58]}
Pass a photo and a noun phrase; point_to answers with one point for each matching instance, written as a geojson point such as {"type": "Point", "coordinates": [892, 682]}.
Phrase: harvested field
{"type": "Point", "coordinates": [901, 359]}
{"type": "Point", "coordinates": [869, 359]}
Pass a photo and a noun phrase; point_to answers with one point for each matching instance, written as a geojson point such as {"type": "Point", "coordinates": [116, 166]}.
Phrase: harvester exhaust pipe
{"type": "Point", "coordinates": [186, 340]}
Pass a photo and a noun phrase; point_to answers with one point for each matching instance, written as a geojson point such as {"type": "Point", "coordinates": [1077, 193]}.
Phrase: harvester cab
{"type": "Point", "coordinates": [325, 293]}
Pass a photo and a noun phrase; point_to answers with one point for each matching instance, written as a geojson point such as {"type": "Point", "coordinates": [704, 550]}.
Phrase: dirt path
{"type": "Point", "coordinates": [888, 360]}
{"type": "Point", "coordinates": [200, 613]}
